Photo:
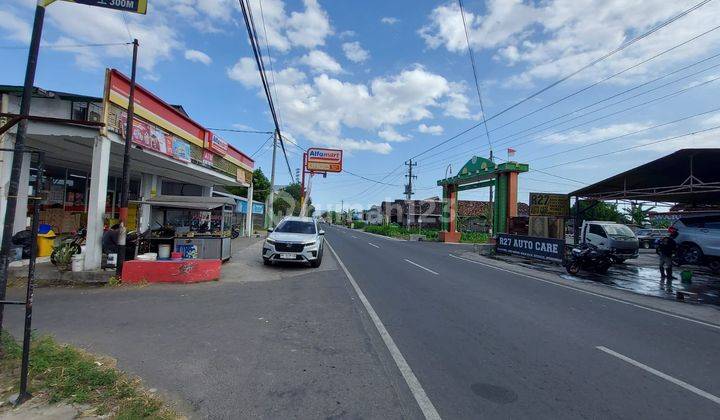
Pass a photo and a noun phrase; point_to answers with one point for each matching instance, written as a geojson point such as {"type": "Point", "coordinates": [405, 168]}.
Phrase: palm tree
{"type": "Point", "coordinates": [637, 214]}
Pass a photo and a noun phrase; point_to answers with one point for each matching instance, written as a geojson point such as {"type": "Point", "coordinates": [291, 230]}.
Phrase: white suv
{"type": "Point", "coordinates": [295, 239]}
{"type": "Point", "coordinates": [700, 237]}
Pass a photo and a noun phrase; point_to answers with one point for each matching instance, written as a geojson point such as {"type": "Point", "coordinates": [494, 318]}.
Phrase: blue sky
{"type": "Point", "coordinates": [386, 80]}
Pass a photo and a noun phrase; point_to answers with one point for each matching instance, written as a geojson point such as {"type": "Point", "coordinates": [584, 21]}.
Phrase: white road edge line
{"type": "Point", "coordinates": [354, 236]}
{"type": "Point", "coordinates": [420, 266]}
{"type": "Point", "coordinates": [426, 406]}
{"type": "Point", "coordinates": [372, 244]}
{"type": "Point", "coordinates": [665, 376]}
{"type": "Point", "coordinates": [658, 311]}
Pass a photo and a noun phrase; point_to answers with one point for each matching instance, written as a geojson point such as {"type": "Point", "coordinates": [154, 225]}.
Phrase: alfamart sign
{"type": "Point", "coordinates": [529, 246]}
{"type": "Point", "coordinates": [323, 160]}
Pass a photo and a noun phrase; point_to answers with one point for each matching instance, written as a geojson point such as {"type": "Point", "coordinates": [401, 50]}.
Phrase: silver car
{"type": "Point", "coordinates": [700, 236]}
{"type": "Point", "coordinates": [295, 239]}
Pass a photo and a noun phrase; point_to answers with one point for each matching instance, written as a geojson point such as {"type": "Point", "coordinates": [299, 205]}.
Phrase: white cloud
{"type": "Point", "coordinates": [14, 28]}
{"type": "Point", "coordinates": [245, 71]}
{"type": "Point", "coordinates": [390, 134]}
{"type": "Point", "coordinates": [354, 52]}
{"type": "Point", "coordinates": [388, 20]}
{"type": "Point", "coordinates": [321, 62]}
{"type": "Point", "coordinates": [321, 109]}
{"type": "Point", "coordinates": [310, 27]}
{"type": "Point", "coordinates": [434, 130]}
{"type": "Point", "coordinates": [198, 56]}
{"type": "Point", "coordinates": [551, 38]}
{"type": "Point", "coordinates": [594, 134]}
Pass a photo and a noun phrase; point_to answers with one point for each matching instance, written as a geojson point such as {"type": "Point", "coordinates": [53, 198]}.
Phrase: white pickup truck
{"type": "Point", "coordinates": [611, 236]}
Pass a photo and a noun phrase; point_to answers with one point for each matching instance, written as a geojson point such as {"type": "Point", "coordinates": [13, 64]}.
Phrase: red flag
{"type": "Point", "coordinates": [510, 152]}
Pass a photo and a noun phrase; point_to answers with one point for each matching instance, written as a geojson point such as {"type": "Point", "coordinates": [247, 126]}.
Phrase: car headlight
{"type": "Point", "coordinates": [311, 243]}
{"type": "Point", "coordinates": [269, 241]}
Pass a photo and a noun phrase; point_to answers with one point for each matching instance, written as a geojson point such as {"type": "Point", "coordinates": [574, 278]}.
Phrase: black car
{"type": "Point", "coordinates": [648, 237]}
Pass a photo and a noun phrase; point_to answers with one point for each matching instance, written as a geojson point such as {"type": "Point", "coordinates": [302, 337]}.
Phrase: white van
{"type": "Point", "coordinates": [611, 236]}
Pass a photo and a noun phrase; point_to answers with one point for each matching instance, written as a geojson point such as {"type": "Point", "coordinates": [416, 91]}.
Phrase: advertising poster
{"type": "Point", "coordinates": [528, 246]}
{"type": "Point", "coordinates": [181, 150]}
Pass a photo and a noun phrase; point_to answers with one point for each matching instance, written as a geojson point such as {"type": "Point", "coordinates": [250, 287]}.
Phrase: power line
{"type": "Point", "coordinates": [257, 53]}
{"type": "Point", "coordinates": [237, 130]}
{"type": "Point", "coordinates": [112, 44]}
{"type": "Point", "coordinates": [574, 73]}
{"type": "Point", "coordinates": [267, 49]}
{"type": "Point", "coordinates": [474, 70]}
{"type": "Point", "coordinates": [262, 145]}
{"type": "Point", "coordinates": [642, 104]}
{"type": "Point", "coordinates": [692, 133]}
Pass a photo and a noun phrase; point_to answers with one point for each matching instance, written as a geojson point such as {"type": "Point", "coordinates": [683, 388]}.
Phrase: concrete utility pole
{"type": "Point", "coordinates": [410, 177]}
{"type": "Point", "coordinates": [409, 189]}
{"type": "Point", "coordinates": [269, 214]}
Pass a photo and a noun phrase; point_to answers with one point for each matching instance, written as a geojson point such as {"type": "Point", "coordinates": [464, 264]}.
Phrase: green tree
{"type": "Point", "coordinates": [287, 201]}
{"type": "Point", "coordinates": [261, 187]}
{"type": "Point", "coordinates": [599, 210]}
{"type": "Point", "coordinates": [637, 214]}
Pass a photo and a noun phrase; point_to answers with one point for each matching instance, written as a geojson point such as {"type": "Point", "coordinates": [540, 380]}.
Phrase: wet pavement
{"type": "Point", "coordinates": [640, 276]}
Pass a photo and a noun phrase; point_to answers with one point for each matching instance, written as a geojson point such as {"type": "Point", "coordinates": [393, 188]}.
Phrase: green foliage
{"type": "Point", "coordinates": [637, 214]}
{"type": "Point", "coordinates": [69, 375]}
{"type": "Point", "coordinates": [261, 187]}
{"type": "Point", "coordinates": [396, 231]}
{"type": "Point", "coordinates": [359, 224]}
{"type": "Point", "coordinates": [601, 211]}
{"type": "Point", "coordinates": [474, 237]}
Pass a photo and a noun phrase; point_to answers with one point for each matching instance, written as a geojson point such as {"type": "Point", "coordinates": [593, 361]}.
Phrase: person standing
{"type": "Point", "coordinates": [665, 249]}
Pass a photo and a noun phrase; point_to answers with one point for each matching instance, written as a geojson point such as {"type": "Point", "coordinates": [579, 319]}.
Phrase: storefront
{"type": "Point", "coordinates": [83, 165]}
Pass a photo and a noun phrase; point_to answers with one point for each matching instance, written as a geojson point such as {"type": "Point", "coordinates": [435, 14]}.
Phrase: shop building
{"type": "Point", "coordinates": [171, 155]}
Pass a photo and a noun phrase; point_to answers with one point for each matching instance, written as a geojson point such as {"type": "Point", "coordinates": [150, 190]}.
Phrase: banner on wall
{"type": "Point", "coordinates": [181, 150]}
{"type": "Point", "coordinates": [529, 246]}
{"type": "Point", "coordinates": [148, 136]}
{"type": "Point", "coordinates": [216, 144]}
{"type": "Point", "coordinates": [207, 158]}
{"type": "Point", "coordinates": [257, 208]}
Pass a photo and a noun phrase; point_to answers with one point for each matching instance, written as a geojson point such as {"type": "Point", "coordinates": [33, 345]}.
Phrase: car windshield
{"type": "Point", "coordinates": [618, 230]}
{"type": "Point", "coordinates": [296, 226]}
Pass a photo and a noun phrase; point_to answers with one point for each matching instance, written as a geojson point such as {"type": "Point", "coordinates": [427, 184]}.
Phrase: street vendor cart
{"type": "Point", "coordinates": [196, 227]}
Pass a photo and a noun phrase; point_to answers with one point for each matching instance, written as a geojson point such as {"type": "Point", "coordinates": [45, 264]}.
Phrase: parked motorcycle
{"type": "Point", "coordinates": [235, 231]}
{"type": "Point", "coordinates": [589, 258]}
{"type": "Point", "coordinates": [69, 246]}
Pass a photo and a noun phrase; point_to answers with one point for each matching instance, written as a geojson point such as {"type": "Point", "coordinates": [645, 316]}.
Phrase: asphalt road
{"type": "Point", "coordinates": [487, 343]}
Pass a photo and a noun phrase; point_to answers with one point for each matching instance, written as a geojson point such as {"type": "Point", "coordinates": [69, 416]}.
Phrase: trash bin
{"type": "Point", "coordinates": [45, 243]}
{"type": "Point", "coordinates": [78, 262]}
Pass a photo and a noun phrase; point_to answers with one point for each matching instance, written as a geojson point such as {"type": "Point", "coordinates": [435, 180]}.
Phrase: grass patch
{"type": "Point", "coordinates": [65, 374]}
{"type": "Point", "coordinates": [396, 231]}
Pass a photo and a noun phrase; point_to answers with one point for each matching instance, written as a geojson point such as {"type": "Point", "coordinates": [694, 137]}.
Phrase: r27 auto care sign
{"type": "Point", "coordinates": [529, 246]}
{"type": "Point", "coordinates": [324, 160]}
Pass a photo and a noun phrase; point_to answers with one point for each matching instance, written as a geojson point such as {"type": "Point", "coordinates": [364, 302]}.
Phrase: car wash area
{"type": "Point", "coordinates": [176, 164]}
{"type": "Point", "coordinates": [677, 195]}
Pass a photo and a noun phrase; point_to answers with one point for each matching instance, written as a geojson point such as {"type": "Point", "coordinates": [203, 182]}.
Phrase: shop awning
{"type": "Point", "coordinates": [687, 176]}
{"type": "Point", "coordinates": [188, 202]}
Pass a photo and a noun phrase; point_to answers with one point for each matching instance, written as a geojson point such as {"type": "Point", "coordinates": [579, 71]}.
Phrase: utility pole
{"type": "Point", "coordinates": [269, 214]}
{"type": "Point", "coordinates": [491, 200]}
{"type": "Point", "coordinates": [342, 209]}
{"type": "Point", "coordinates": [409, 189]}
{"type": "Point", "coordinates": [125, 181]}
{"type": "Point", "coordinates": [19, 153]}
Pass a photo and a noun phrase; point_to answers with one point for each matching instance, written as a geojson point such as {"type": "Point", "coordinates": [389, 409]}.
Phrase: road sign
{"type": "Point", "coordinates": [544, 204]}
{"type": "Point", "coordinates": [134, 6]}
{"type": "Point", "coordinates": [323, 160]}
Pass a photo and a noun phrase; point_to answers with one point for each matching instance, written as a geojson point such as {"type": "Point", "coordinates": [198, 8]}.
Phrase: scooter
{"type": "Point", "coordinates": [589, 258]}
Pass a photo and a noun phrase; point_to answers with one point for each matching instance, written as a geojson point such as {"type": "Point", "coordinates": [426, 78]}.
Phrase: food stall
{"type": "Point", "coordinates": [196, 227]}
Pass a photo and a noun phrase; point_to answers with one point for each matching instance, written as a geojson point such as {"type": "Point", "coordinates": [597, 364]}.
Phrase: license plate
{"type": "Point", "coordinates": [287, 256]}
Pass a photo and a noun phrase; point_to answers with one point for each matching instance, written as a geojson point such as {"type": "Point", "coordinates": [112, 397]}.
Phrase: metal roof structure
{"type": "Point", "coordinates": [689, 176]}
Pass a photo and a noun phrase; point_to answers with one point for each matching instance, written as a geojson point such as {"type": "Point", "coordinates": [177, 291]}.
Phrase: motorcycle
{"type": "Point", "coordinates": [589, 258]}
{"type": "Point", "coordinates": [71, 245]}
{"type": "Point", "coordinates": [235, 231]}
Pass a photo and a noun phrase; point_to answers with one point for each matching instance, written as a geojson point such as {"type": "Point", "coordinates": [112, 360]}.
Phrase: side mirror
{"type": "Point", "coordinates": [270, 229]}
{"type": "Point", "coordinates": [322, 232]}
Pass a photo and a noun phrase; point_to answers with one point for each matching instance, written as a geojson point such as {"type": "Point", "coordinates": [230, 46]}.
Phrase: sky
{"type": "Point", "coordinates": [386, 81]}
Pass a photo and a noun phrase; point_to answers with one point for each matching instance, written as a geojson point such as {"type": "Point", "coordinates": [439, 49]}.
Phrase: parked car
{"type": "Point", "coordinates": [699, 238]}
{"type": "Point", "coordinates": [649, 237]}
{"type": "Point", "coordinates": [610, 236]}
{"type": "Point", "coordinates": [295, 239]}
